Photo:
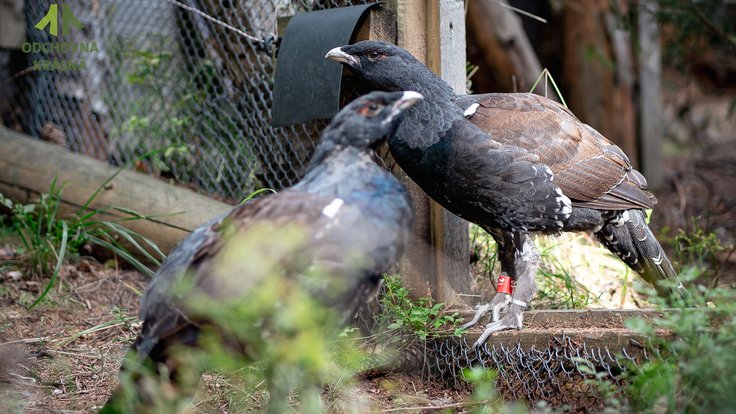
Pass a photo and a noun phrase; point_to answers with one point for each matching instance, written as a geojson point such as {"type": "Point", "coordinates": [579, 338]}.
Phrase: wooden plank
{"type": "Point", "coordinates": [380, 24]}
{"type": "Point", "coordinates": [650, 98]}
{"type": "Point", "coordinates": [449, 233]}
{"type": "Point", "coordinates": [416, 267]}
{"type": "Point", "coordinates": [434, 32]}
{"type": "Point", "coordinates": [28, 166]}
{"type": "Point", "coordinates": [602, 328]}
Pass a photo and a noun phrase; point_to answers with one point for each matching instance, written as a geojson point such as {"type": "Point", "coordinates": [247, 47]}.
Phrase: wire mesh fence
{"type": "Point", "coordinates": [143, 75]}
{"type": "Point", "coordinates": [561, 374]}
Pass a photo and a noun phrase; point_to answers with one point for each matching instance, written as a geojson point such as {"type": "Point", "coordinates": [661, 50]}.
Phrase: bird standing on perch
{"type": "Point", "coordinates": [348, 218]}
{"type": "Point", "coordinates": [515, 164]}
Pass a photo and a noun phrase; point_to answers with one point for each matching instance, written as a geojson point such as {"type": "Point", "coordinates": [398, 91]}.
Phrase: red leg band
{"type": "Point", "coordinates": [504, 284]}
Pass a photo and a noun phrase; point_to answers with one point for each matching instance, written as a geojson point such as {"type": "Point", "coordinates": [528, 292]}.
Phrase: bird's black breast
{"type": "Point", "coordinates": [480, 180]}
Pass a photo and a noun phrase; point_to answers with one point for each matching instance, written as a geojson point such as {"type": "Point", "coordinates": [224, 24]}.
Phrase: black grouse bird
{"type": "Point", "coordinates": [515, 164]}
{"type": "Point", "coordinates": [355, 218]}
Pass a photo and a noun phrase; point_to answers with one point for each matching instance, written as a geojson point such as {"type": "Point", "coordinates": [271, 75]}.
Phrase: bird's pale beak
{"type": "Point", "coordinates": [408, 99]}
{"type": "Point", "coordinates": [338, 55]}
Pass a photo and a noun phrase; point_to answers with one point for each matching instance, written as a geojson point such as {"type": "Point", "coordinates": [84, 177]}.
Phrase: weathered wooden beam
{"type": "Point", "coordinates": [650, 98]}
{"type": "Point", "coordinates": [449, 233]}
{"type": "Point", "coordinates": [28, 166]}
{"type": "Point", "coordinates": [437, 262]}
{"type": "Point", "coordinates": [416, 267]}
{"type": "Point", "coordinates": [380, 24]}
{"type": "Point", "coordinates": [601, 328]}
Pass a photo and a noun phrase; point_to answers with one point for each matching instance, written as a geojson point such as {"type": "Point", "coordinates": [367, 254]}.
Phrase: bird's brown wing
{"type": "Point", "coordinates": [592, 171]}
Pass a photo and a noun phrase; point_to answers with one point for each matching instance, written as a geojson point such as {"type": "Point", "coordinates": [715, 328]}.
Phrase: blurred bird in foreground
{"type": "Point", "coordinates": [285, 270]}
{"type": "Point", "coordinates": [515, 164]}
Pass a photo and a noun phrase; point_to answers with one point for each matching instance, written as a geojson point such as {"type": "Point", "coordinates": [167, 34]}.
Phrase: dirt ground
{"type": "Point", "coordinates": [63, 356]}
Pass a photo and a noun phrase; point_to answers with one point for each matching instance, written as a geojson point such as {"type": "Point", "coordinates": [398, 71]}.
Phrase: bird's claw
{"type": "Point", "coordinates": [497, 305]}
{"type": "Point", "coordinates": [480, 310]}
{"type": "Point", "coordinates": [514, 319]}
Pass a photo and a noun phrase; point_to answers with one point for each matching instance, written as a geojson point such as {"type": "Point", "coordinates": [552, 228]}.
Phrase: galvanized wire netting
{"type": "Point", "coordinates": [159, 77]}
{"type": "Point", "coordinates": [563, 374]}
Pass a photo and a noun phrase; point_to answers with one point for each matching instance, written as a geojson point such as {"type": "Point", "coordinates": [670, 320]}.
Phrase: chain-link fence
{"type": "Point", "coordinates": [158, 76]}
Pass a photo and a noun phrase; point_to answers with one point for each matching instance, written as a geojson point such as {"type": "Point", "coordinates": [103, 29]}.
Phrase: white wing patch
{"type": "Point", "coordinates": [331, 209]}
{"type": "Point", "coordinates": [471, 109]}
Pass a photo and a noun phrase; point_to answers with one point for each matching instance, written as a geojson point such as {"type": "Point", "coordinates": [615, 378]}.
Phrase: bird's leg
{"type": "Point", "coordinates": [502, 299]}
{"type": "Point", "coordinates": [526, 263]}
{"type": "Point", "coordinates": [498, 304]}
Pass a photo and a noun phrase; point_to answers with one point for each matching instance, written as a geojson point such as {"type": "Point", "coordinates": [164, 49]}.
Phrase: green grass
{"type": "Point", "coordinates": [419, 317]}
{"type": "Point", "coordinates": [48, 240]}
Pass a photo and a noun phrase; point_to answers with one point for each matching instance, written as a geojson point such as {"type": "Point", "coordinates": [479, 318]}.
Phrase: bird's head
{"type": "Point", "coordinates": [384, 65]}
{"type": "Point", "coordinates": [370, 119]}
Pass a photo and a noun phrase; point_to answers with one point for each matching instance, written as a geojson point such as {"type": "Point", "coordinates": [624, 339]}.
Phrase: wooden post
{"type": "Point", "coordinates": [437, 261]}
{"type": "Point", "coordinates": [450, 238]}
{"type": "Point", "coordinates": [650, 80]}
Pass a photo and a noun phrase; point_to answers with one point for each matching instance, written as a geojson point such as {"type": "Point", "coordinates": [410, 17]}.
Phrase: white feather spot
{"type": "Point", "coordinates": [331, 209]}
{"type": "Point", "coordinates": [471, 109]}
{"type": "Point", "coordinates": [657, 260]}
{"type": "Point", "coordinates": [625, 216]}
{"type": "Point", "coordinates": [565, 203]}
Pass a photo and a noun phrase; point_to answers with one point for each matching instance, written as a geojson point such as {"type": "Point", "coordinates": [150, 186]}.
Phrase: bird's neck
{"type": "Point", "coordinates": [327, 155]}
{"type": "Point", "coordinates": [341, 172]}
{"type": "Point", "coordinates": [424, 81]}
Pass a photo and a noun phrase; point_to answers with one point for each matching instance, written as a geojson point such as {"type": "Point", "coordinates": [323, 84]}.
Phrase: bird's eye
{"type": "Point", "coordinates": [370, 110]}
{"type": "Point", "coordinates": [373, 55]}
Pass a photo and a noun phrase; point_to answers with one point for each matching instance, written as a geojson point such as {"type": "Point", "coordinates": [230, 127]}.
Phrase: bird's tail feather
{"type": "Point", "coordinates": [628, 236]}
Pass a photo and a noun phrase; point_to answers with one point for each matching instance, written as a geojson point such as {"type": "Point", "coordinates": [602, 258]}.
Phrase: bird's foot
{"type": "Point", "coordinates": [514, 319]}
{"type": "Point", "coordinates": [497, 305]}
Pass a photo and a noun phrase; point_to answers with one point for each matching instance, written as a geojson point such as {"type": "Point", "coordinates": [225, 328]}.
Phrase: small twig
{"type": "Point", "coordinates": [436, 407]}
{"type": "Point", "coordinates": [94, 329]}
{"type": "Point", "coordinates": [716, 275]}
{"type": "Point", "coordinates": [26, 341]}
{"type": "Point", "coordinates": [216, 21]}
{"type": "Point", "coordinates": [522, 12]}
{"type": "Point", "coordinates": [56, 351]}
{"type": "Point", "coordinates": [681, 193]}
{"type": "Point", "coordinates": [709, 25]}
{"type": "Point", "coordinates": [17, 75]}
